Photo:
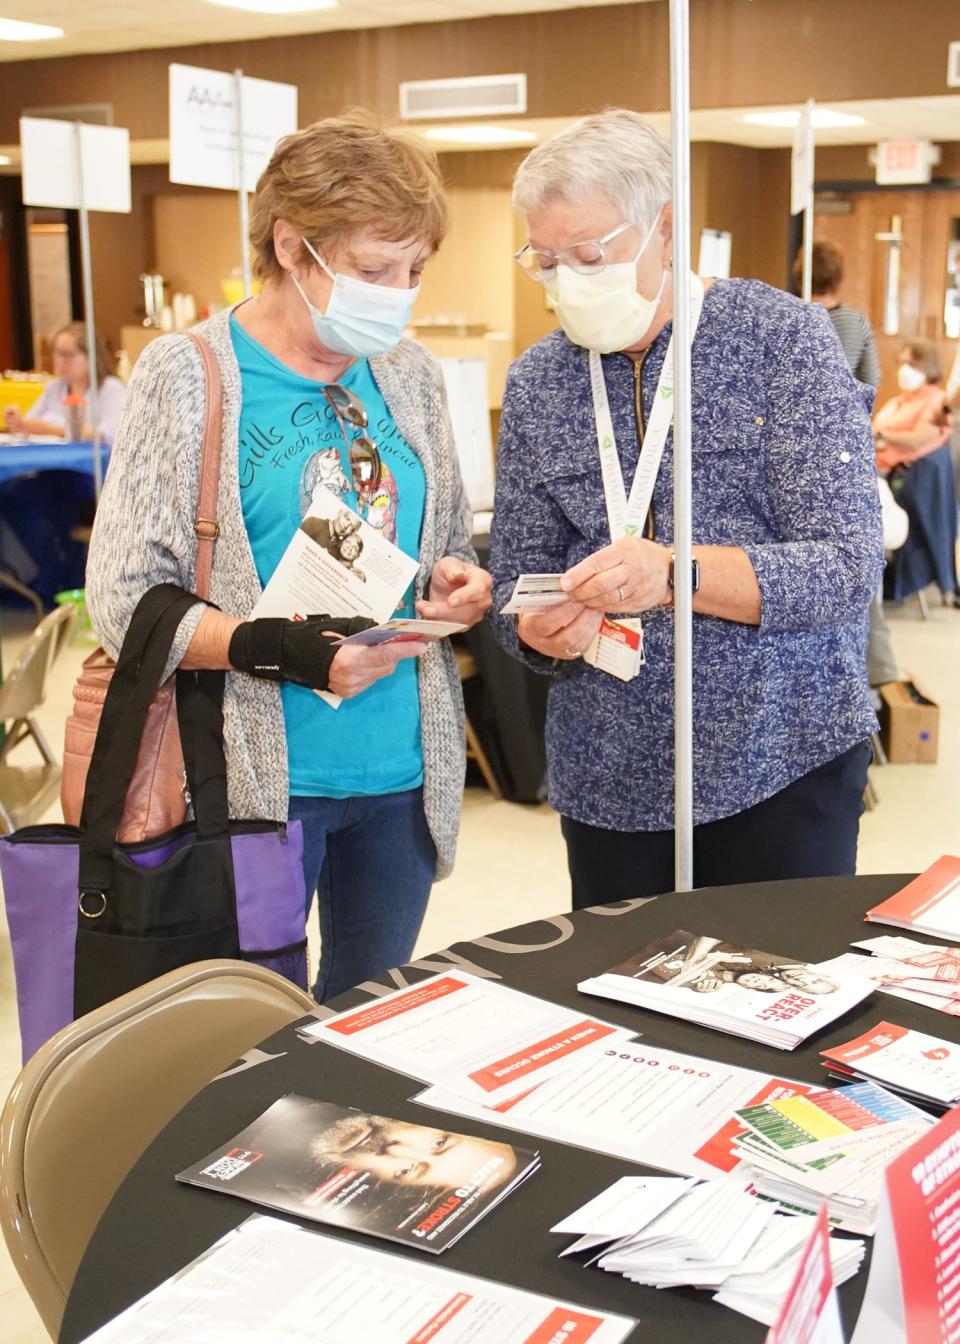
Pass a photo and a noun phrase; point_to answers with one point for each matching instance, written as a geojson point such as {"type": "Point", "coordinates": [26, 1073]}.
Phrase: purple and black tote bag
{"type": "Point", "coordinates": [90, 918]}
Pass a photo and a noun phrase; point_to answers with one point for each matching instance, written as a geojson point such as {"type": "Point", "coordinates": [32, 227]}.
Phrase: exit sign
{"type": "Point", "coordinates": [900, 162]}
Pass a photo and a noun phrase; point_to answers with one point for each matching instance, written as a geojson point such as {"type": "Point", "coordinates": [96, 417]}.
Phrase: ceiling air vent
{"type": "Point", "coordinates": [478, 96]}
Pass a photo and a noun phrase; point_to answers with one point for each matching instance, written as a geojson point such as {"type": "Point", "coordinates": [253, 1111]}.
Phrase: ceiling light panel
{"type": "Point", "coordinates": [14, 30]}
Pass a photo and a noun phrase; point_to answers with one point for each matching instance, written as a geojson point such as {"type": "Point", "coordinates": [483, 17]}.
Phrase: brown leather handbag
{"type": "Point", "coordinates": [156, 800]}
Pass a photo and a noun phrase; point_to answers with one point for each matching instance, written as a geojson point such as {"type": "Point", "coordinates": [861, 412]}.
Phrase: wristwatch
{"type": "Point", "coordinates": [694, 574]}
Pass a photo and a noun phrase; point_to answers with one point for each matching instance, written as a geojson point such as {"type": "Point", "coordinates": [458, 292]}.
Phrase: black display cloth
{"type": "Point", "coordinates": [154, 1227]}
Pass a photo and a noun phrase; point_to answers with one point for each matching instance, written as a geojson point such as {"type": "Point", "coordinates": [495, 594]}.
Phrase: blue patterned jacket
{"type": "Point", "coordinates": [783, 466]}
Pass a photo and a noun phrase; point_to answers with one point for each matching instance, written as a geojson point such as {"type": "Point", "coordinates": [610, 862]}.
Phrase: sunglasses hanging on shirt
{"type": "Point", "coordinates": [366, 468]}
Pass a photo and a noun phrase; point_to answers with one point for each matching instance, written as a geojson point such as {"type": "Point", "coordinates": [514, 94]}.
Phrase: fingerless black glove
{"type": "Point", "coordinates": [296, 651]}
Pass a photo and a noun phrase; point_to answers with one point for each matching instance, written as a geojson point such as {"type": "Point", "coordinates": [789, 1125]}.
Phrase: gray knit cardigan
{"type": "Point", "coordinates": [143, 535]}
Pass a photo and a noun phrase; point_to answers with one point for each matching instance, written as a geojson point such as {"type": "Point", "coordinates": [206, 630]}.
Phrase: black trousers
{"type": "Point", "coordinates": [808, 829]}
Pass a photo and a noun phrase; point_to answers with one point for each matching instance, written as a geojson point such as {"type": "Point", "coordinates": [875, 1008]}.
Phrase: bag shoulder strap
{"type": "Point", "coordinates": [132, 687]}
{"type": "Point", "coordinates": [205, 525]}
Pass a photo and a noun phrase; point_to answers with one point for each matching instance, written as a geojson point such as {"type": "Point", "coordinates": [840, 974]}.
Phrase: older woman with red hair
{"type": "Point", "coordinates": [344, 219]}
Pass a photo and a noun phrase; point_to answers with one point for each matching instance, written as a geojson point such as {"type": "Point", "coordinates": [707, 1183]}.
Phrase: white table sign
{"type": "Point", "coordinates": [52, 166]}
{"type": "Point", "coordinates": [203, 126]}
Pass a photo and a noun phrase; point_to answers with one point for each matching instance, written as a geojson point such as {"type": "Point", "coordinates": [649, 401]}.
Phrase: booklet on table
{"type": "Point", "coordinates": [410, 1183]}
{"type": "Point", "coordinates": [924, 973]}
{"type": "Point", "coordinates": [739, 990]}
{"type": "Point", "coordinates": [926, 1068]}
{"type": "Point", "coordinates": [269, 1279]}
{"type": "Point", "coordinates": [928, 904]}
{"type": "Point", "coordinates": [832, 1145]}
{"type": "Point", "coordinates": [482, 1040]}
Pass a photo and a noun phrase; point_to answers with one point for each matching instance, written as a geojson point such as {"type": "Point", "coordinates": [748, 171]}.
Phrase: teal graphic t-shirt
{"type": "Point", "coordinates": [290, 442]}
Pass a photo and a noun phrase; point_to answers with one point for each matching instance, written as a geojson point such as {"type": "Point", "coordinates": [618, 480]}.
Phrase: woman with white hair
{"type": "Point", "coordinates": [786, 526]}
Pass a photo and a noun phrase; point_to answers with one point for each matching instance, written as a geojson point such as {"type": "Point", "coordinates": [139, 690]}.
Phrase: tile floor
{"type": "Point", "coordinates": [511, 865]}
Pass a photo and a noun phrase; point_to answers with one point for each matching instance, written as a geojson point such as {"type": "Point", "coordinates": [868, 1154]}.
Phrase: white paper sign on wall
{"type": "Point", "coordinates": [900, 162]}
{"type": "Point", "coordinates": [54, 173]}
{"type": "Point", "coordinates": [203, 126]}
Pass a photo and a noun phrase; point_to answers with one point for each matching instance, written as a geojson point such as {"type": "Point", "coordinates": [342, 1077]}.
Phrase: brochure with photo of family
{"type": "Point", "coordinates": [409, 1183]}
{"type": "Point", "coordinates": [336, 564]}
{"type": "Point", "coordinates": [766, 997]}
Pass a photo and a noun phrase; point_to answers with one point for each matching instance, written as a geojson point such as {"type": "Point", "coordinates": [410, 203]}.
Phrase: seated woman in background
{"type": "Point", "coordinates": [913, 423]}
{"type": "Point", "coordinates": [52, 413]}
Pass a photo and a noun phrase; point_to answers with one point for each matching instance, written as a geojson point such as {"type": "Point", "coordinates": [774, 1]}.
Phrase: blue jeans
{"type": "Point", "coordinates": [372, 863]}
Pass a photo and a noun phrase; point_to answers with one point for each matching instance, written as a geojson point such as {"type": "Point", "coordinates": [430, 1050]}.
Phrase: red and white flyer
{"type": "Point", "coordinates": [929, 904]}
{"type": "Point", "coordinates": [811, 1312]}
{"type": "Point", "coordinates": [269, 1280]}
{"type": "Point", "coordinates": [657, 1107]}
{"type": "Point", "coordinates": [913, 1293]}
{"type": "Point", "coordinates": [482, 1040]}
{"type": "Point", "coordinates": [908, 1061]}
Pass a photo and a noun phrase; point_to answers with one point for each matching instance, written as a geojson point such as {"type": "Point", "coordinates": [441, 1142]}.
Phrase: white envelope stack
{"type": "Point", "coordinates": [671, 1232]}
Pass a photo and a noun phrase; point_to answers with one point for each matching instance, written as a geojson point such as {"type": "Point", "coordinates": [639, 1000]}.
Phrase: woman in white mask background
{"type": "Point", "coordinates": [786, 526]}
{"type": "Point", "coordinates": [915, 421]}
{"type": "Point", "coordinates": [320, 392]}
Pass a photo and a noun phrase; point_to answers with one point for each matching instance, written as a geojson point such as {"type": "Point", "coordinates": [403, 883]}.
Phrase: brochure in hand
{"type": "Point", "coordinates": [777, 1000]}
{"type": "Point", "coordinates": [409, 1183]}
{"type": "Point", "coordinates": [336, 564]}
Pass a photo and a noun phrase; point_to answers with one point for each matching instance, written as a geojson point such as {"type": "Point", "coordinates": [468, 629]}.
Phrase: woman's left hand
{"type": "Point", "coordinates": [630, 575]}
{"type": "Point", "coordinates": [458, 592]}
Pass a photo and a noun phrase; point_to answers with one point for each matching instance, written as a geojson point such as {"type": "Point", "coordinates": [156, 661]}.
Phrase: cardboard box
{"type": "Point", "coordinates": [909, 724]}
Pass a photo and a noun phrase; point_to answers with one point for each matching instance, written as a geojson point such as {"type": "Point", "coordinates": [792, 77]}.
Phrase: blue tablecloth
{"type": "Point", "coordinates": [19, 459]}
{"type": "Point", "coordinates": [46, 489]}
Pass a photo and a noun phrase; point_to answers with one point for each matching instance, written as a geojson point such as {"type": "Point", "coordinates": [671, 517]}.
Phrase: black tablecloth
{"type": "Point", "coordinates": [154, 1227]}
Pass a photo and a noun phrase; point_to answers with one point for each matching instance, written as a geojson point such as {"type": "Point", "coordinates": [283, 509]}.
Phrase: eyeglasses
{"type": "Point", "coordinates": [366, 467]}
{"type": "Point", "coordinates": [587, 258]}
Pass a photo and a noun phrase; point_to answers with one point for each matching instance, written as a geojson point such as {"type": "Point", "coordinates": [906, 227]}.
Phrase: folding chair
{"type": "Point", "coordinates": [26, 791]}
{"type": "Point", "coordinates": [103, 1088]}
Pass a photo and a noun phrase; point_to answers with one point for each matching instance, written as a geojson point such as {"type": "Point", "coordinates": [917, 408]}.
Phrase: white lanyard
{"type": "Point", "coordinates": [626, 516]}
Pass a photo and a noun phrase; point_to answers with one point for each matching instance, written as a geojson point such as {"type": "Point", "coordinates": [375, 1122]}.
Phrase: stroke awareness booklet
{"type": "Point", "coordinates": [479, 1039]}
{"type": "Point", "coordinates": [739, 990]}
{"type": "Point", "coordinates": [269, 1279]}
{"type": "Point", "coordinates": [410, 1183]}
{"type": "Point", "coordinates": [929, 904]}
{"type": "Point", "coordinates": [656, 1107]}
{"type": "Point", "coordinates": [911, 1063]}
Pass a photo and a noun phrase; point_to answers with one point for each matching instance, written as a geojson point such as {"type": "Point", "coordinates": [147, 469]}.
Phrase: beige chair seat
{"type": "Point", "coordinates": [103, 1088]}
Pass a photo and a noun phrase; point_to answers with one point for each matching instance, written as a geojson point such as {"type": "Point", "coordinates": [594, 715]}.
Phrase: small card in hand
{"type": "Point", "coordinates": [535, 592]}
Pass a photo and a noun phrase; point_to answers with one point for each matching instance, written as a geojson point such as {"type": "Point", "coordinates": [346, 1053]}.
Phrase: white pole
{"type": "Point", "coordinates": [87, 275]}
{"type": "Point", "coordinates": [682, 543]}
{"type": "Point", "coordinates": [242, 188]}
{"type": "Point", "coordinates": [808, 210]}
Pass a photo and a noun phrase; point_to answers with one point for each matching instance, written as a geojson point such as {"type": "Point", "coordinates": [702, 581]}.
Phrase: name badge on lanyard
{"type": "Point", "coordinates": [617, 647]}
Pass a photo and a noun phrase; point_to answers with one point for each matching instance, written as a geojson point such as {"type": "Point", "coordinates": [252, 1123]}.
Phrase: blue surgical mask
{"type": "Point", "coordinates": [361, 319]}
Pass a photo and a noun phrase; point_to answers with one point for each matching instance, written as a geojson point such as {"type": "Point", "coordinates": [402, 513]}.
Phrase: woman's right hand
{"type": "Point", "coordinates": [357, 666]}
{"type": "Point", "coordinates": [560, 632]}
